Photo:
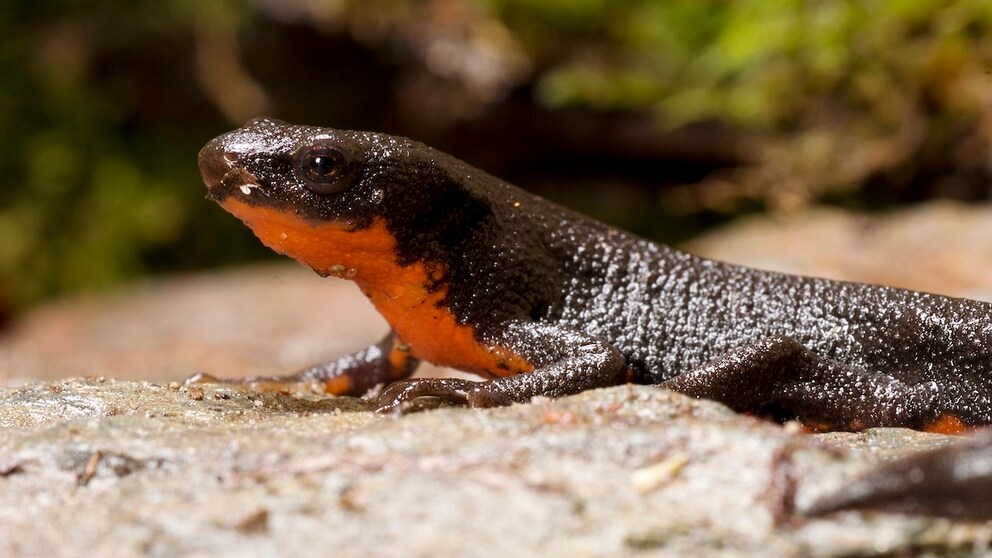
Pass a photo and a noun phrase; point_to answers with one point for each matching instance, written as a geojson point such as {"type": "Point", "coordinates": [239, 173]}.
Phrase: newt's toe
{"type": "Point", "coordinates": [423, 394]}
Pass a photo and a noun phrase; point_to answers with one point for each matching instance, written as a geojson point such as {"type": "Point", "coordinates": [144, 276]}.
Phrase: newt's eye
{"type": "Point", "coordinates": [324, 168]}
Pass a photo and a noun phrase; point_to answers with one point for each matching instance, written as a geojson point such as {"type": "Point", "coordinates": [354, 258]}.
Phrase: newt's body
{"type": "Point", "coordinates": [476, 274]}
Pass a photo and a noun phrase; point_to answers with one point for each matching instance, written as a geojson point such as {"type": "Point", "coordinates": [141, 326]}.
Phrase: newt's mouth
{"type": "Point", "coordinates": [222, 177]}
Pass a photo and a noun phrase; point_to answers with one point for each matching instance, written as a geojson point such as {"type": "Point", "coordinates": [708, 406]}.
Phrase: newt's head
{"type": "Point", "coordinates": [319, 174]}
{"type": "Point", "coordinates": [340, 200]}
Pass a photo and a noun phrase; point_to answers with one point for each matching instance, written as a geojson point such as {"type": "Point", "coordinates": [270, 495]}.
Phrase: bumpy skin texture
{"type": "Point", "coordinates": [474, 273]}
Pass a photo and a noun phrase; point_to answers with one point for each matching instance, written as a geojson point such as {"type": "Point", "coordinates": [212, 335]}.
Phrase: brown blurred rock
{"type": "Point", "coordinates": [266, 319]}
{"type": "Point", "coordinates": [940, 247]}
{"type": "Point", "coordinates": [279, 318]}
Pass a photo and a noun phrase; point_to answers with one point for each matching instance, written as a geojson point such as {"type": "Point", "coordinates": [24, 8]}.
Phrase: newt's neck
{"type": "Point", "coordinates": [366, 256]}
{"type": "Point", "coordinates": [412, 298]}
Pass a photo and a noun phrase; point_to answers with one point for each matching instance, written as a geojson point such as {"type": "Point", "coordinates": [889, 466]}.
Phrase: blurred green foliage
{"type": "Point", "coordinates": [758, 64]}
{"type": "Point", "coordinates": [93, 191]}
{"type": "Point", "coordinates": [837, 93]}
{"type": "Point", "coordinates": [103, 105]}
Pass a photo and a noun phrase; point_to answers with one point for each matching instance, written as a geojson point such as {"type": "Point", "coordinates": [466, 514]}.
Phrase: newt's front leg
{"type": "Point", "coordinates": [565, 362]}
{"type": "Point", "coordinates": [355, 374]}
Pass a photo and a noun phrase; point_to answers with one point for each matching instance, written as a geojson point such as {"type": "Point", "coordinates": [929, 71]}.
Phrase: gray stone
{"type": "Point", "coordinates": [124, 468]}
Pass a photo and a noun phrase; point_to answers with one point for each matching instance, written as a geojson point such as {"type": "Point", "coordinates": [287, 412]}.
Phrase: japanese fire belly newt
{"type": "Point", "coordinates": [474, 273]}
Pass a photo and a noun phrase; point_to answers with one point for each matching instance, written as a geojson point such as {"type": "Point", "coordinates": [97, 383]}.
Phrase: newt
{"type": "Point", "coordinates": [476, 274]}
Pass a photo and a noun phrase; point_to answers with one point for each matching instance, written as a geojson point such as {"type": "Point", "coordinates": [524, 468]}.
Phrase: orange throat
{"type": "Point", "coordinates": [367, 256]}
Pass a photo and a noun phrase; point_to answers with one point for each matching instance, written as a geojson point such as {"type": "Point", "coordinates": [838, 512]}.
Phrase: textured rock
{"type": "Point", "coordinates": [118, 468]}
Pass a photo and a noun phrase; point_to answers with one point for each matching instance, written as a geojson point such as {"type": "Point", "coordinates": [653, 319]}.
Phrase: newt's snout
{"type": "Point", "coordinates": [221, 171]}
{"type": "Point", "coordinates": [213, 164]}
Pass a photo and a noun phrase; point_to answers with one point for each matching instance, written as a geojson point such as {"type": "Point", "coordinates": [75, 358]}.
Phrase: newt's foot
{"type": "Point", "coordinates": [410, 396]}
{"type": "Point", "coordinates": [260, 383]}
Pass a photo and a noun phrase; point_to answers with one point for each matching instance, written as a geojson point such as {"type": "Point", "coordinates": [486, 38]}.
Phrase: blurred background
{"type": "Point", "coordinates": [663, 116]}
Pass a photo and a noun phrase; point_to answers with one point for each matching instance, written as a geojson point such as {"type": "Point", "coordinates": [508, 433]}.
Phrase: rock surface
{"type": "Point", "coordinates": [122, 468]}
